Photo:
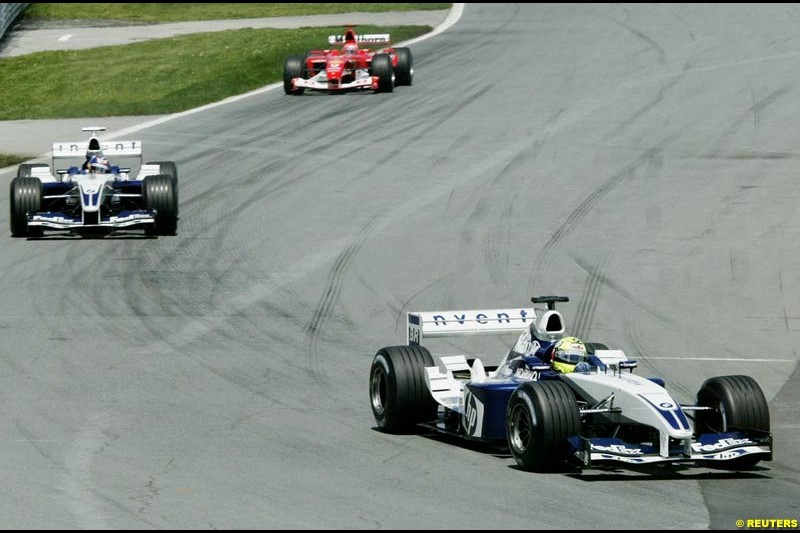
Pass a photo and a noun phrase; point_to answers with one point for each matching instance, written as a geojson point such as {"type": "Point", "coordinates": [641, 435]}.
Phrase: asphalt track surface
{"type": "Point", "coordinates": [640, 159]}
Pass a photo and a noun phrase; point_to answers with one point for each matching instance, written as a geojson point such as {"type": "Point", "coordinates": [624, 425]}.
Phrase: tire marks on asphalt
{"type": "Point", "coordinates": [498, 242]}
{"type": "Point", "coordinates": [576, 217]}
{"type": "Point", "coordinates": [751, 114]}
{"type": "Point", "coordinates": [587, 302]}
{"type": "Point", "coordinates": [639, 349]}
{"type": "Point", "coordinates": [644, 109]}
{"type": "Point", "coordinates": [330, 295]}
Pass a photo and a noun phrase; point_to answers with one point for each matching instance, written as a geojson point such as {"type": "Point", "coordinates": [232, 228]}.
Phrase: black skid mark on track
{"type": "Point", "coordinates": [573, 221]}
{"type": "Point", "coordinates": [640, 350]}
{"type": "Point", "coordinates": [752, 114]}
{"type": "Point", "coordinates": [330, 296]}
{"type": "Point", "coordinates": [498, 241]}
{"type": "Point", "coordinates": [587, 303]}
{"type": "Point", "coordinates": [619, 290]}
{"type": "Point", "coordinates": [400, 321]}
{"type": "Point", "coordinates": [657, 99]}
{"type": "Point", "coordinates": [681, 330]}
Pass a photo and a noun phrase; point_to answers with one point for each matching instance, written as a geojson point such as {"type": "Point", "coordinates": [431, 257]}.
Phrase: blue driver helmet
{"type": "Point", "coordinates": [99, 165]}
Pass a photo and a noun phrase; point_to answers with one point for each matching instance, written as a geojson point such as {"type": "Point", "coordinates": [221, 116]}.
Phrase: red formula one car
{"type": "Point", "coordinates": [350, 67]}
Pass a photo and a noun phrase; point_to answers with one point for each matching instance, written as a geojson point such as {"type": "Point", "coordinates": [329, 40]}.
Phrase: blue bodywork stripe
{"type": "Point", "coordinates": [677, 421]}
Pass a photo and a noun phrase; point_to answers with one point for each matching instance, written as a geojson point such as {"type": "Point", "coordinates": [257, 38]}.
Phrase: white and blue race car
{"type": "Point", "coordinates": [76, 201]}
{"type": "Point", "coordinates": [606, 415]}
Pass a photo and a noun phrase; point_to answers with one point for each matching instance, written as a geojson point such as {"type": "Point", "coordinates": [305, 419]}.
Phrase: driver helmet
{"type": "Point", "coordinates": [351, 48]}
{"type": "Point", "coordinates": [568, 353]}
{"type": "Point", "coordinates": [99, 165]}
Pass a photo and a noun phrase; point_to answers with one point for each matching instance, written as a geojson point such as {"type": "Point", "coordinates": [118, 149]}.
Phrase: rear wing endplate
{"type": "Point", "coordinates": [472, 322]}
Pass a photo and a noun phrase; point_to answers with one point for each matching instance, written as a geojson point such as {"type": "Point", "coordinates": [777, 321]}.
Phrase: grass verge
{"type": "Point", "coordinates": [155, 13]}
{"type": "Point", "coordinates": [158, 76]}
{"type": "Point", "coordinates": [7, 160]}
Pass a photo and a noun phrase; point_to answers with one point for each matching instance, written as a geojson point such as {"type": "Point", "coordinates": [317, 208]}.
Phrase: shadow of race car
{"type": "Point", "coordinates": [350, 67]}
{"type": "Point", "coordinates": [80, 201]}
{"type": "Point", "coordinates": [603, 415]}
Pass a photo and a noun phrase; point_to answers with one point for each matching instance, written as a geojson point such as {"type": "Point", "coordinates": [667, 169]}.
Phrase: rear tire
{"type": "Point", "coordinates": [739, 405]}
{"type": "Point", "coordinates": [25, 169]}
{"type": "Point", "coordinates": [399, 396]}
{"type": "Point", "coordinates": [540, 417]}
{"type": "Point", "coordinates": [293, 67]}
{"type": "Point", "coordinates": [25, 196]}
{"type": "Point", "coordinates": [592, 347]}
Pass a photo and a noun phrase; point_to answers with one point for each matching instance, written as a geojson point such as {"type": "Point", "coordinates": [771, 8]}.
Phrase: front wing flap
{"type": "Point", "coordinates": [61, 221]}
{"type": "Point", "coordinates": [709, 447]}
{"type": "Point", "coordinates": [370, 82]}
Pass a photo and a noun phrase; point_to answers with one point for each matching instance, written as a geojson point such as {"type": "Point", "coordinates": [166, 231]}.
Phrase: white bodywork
{"type": "Point", "coordinates": [639, 399]}
{"type": "Point", "coordinates": [92, 187]}
{"type": "Point", "coordinates": [614, 391]}
{"type": "Point", "coordinates": [445, 388]}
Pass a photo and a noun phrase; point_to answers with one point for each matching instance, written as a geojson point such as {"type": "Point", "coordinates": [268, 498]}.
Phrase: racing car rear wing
{"type": "Point", "coordinates": [109, 148]}
{"type": "Point", "coordinates": [473, 322]}
{"type": "Point", "coordinates": [375, 38]}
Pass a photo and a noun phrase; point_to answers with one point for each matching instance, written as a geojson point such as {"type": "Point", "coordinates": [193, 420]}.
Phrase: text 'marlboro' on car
{"type": "Point", "coordinates": [79, 201]}
{"type": "Point", "coordinates": [605, 415]}
{"type": "Point", "coordinates": [351, 66]}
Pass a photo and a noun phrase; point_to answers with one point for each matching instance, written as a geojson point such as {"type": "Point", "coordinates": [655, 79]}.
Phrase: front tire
{"type": "Point", "coordinates": [404, 72]}
{"type": "Point", "coordinates": [170, 169]}
{"type": "Point", "coordinates": [738, 404]}
{"type": "Point", "coordinates": [293, 67]}
{"type": "Point", "coordinates": [161, 196]}
{"type": "Point", "coordinates": [399, 396]}
{"type": "Point", "coordinates": [25, 196]}
{"type": "Point", "coordinates": [382, 68]}
{"type": "Point", "coordinates": [540, 417]}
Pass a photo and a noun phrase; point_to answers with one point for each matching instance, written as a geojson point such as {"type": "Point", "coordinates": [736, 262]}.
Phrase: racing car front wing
{"type": "Point", "coordinates": [58, 221]}
{"type": "Point", "coordinates": [706, 448]}
{"type": "Point", "coordinates": [322, 84]}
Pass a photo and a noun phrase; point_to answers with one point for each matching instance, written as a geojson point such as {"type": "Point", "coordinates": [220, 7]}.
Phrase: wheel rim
{"type": "Point", "coordinates": [378, 391]}
{"type": "Point", "coordinates": [721, 422]}
{"type": "Point", "coordinates": [521, 428]}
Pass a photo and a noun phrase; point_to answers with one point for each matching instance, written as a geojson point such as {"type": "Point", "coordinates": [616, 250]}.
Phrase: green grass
{"type": "Point", "coordinates": [158, 76]}
{"type": "Point", "coordinates": [154, 13]}
{"type": "Point", "coordinates": [165, 75]}
{"type": "Point", "coordinates": [9, 160]}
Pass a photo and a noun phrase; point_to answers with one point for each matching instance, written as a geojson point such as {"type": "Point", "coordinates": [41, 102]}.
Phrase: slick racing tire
{"type": "Point", "coordinates": [161, 196]}
{"type": "Point", "coordinates": [170, 169]}
{"type": "Point", "coordinates": [398, 394]}
{"type": "Point", "coordinates": [25, 169]}
{"type": "Point", "coordinates": [738, 405]}
{"type": "Point", "coordinates": [293, 67]}
{"type": "Point", "coordinates": [382, 68]}
{"type": "Point", "coordinates": [25, 196]}
{"type": "Point", "coordinates": [540, 417]}
{"type": "Point", "coordinates": [404, 71]}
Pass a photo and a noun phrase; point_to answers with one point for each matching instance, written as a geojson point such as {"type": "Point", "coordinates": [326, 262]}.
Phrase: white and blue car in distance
{"type": "Point", "coordinates": [75, 201]}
